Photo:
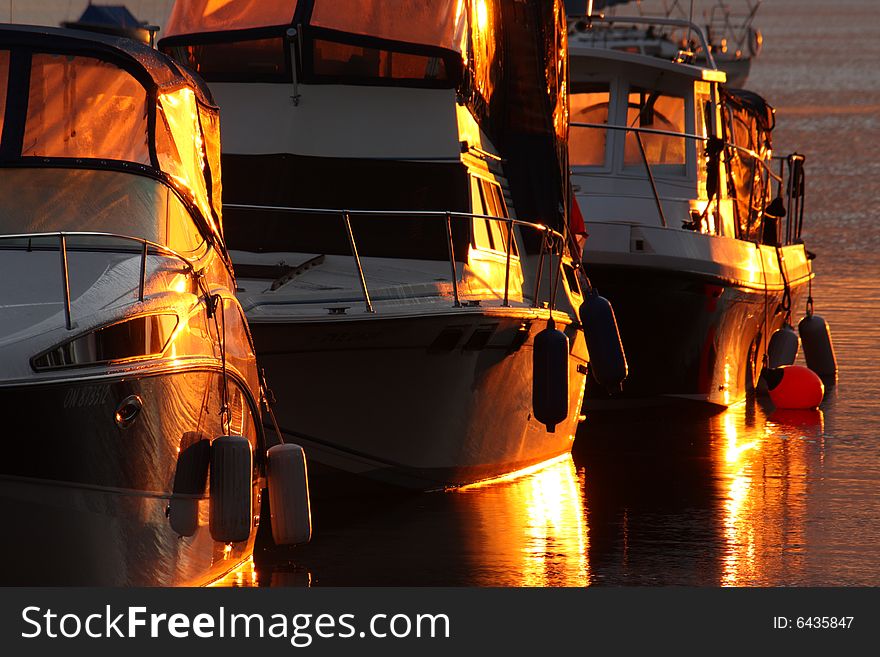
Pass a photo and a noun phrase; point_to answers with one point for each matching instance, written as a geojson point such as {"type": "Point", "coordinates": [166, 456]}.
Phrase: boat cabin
{"type": "Point", "coordinates": [635, 119]}
{"type": "Point", "coordinates": [102, 134]}
{"type": "Point", "coordinates": [663, 143]}
{"type": "Point", "coordinates": [382, 105]}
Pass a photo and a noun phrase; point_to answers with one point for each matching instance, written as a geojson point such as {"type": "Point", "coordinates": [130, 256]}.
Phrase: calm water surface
{"type": "Point", "coordinates": [749, 497]}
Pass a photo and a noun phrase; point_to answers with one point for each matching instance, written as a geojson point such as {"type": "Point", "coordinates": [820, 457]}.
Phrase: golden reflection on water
{"type": "Point", "coordinates": [762, 470]}
{"type": "Point", "coordinates": [532, 529]}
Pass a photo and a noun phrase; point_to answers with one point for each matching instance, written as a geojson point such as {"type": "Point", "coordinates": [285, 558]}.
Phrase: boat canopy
{"type": "Point", "coordinates": [91, 101]}
{"type": "Point", "coordinates": [748, 122]}
{"type": "Point", "coordinates": [438, 23]}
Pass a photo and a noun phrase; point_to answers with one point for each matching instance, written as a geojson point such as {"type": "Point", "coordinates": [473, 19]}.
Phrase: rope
{"type": "Point", "coordinates": [764, 360]}
{"type": "Point", "coordinates": [267, 397]}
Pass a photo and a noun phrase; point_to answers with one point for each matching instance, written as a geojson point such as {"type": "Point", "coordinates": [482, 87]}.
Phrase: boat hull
{"type": "Point", "coordinates": [688, 336]}
{"type": "Point", "coordinates": [424, 402]}
{"type": "Point", "coordinates": [89, 499]}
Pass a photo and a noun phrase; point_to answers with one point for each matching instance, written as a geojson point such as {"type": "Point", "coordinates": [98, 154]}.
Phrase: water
{"type": "Point", "coordinates": [747, 497]}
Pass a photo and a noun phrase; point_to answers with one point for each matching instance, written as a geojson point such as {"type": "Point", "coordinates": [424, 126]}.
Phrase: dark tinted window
{"type": "Point", "coordinates": [245, 61]}
{"type": "Point", "coordinates": [348, 61]}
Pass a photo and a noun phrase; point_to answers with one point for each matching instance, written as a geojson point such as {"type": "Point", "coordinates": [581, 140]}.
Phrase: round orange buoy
{"type": "Point", "coordinates": [794, 386]}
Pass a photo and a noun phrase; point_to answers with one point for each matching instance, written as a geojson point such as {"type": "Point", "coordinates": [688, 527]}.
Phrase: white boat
{"type": "Point", "coordinates": [731, 38]}
{"type": "Point", "coordinates": [124, 353]}
{"type": "Point", "coordinates": [684, 204]}
{"type": "Point", "coordinates": [394, 198]}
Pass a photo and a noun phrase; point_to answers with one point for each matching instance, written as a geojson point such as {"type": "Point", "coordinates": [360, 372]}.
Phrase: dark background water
{"type": "Point", "coordinates": [748, 497]}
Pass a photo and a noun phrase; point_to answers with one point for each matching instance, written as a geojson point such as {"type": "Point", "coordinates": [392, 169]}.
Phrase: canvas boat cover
{"type": "Point", "coordinates": [510, 58]}
{"type": "Point", "coordinates": [87, 100]}
{"type": "Point", "coordinates": [748, 122]}
{"type": "Point", "coordinates": [437, 23]}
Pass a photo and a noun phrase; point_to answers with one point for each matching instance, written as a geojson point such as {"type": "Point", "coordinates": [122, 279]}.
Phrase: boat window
{"type": "Point", "coordinates": [655, 111]}
{"type": "Point", "coordinates": [496, 208]}
{"type": "Point", "coordinates": [487, 199]}
{"type": "Point", "coordinates": [482, 232]}
{"type": "Point", "coordinates": [4, 81]}
{"type": "Point", "coordinates": [589, 104]}
{"type": "Point", "coordinates": [43, 200]}
{"type": "Point", "coordinates": [179, 145]}
{"type": "Point", "coordinates": [181, 233]}
{"type": "Point", "coordinates": [253, 60]}
{"type": "Point", "coordinates": [342, 60]}
{"type": "Point", "coordinates": [85, 108]}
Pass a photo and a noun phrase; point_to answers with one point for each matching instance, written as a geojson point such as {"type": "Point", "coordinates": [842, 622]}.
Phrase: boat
{"type": "Point", "coordinates": [126, 364]}
{"type": "Point", "coordinates": [731, 38]}
{"type": "Point", "coordinates": [115, 20]}
{"type": "Point", "coordinates": [695, 225]}
{"type": "Point", "coordinates": [395, 204]}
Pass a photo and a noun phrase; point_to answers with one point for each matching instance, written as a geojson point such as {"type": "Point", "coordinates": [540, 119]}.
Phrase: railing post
{"type": "Point", "coordinates": [357, 261]}
{"type": "Point", "coordinates": [143, 279]}
{"type": "Point", "coordinates": [451, 246]}
{"type": "Point", "coordinates": [65, 281]}
{"type": "Point", "coordinates": [507, 266]}
{"type": "Point", "coordinates": [540, 273]}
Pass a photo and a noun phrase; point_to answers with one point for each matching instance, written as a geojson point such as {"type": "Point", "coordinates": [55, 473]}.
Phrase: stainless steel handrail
{"type": "Point", "coordinates": [683, 135]}
{"type": "Point", "coordinates": [63, 247]}
{"type": "Point", "coordinates": [346, 217]}
{"type": "Point", "coordinates": [673, 22]}
{"type": "Point", "coordinates": [794, 160]}
{"type": "Point", "coordinates": [447, 216]}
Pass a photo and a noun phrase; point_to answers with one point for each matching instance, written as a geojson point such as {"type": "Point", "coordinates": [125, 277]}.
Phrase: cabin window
{"type": "Point", "coordinates": [81, 107]}
{"type": "Point", "coordinates": [589, 104]}
{"type": "Point", "coordinates": [652, 110]}
{"type": "Point", "coordinates": [487, 199]}
{"type": "Point", "coordinates": [482, 238]}
{"type": "Point", "coordinates": [342, 60]}
{"type": "Point", "coordinates": [4, 81]}
{"type": "Point", "coordinates": [255, 60]}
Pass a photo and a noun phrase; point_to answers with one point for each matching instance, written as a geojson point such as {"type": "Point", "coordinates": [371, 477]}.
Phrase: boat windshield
{"type": "Point", "coordinates": [86, 108]}
{"type": "Point", "coordinates": [44, 200]}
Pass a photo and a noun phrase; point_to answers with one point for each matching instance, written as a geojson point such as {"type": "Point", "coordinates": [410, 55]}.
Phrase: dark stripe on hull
{"type": "Point", "coordinates": [422, 403]}
{"type": "Point", "coordinates": [686, 336]}
{"type": "Point", "coordinates": [88, 498]}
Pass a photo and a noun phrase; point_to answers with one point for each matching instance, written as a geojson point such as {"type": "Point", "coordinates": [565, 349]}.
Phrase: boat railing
{"type": "Point", "coordinates": [552, 242]}
{"type": "Point", "coordinates": [140, 245]}
{"type": "Point", "coordinates": [789, 178]}
{"type": "Point", "coordinates": [681, 23]}
{"type": "Point", "coordinates": [723, 23]}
